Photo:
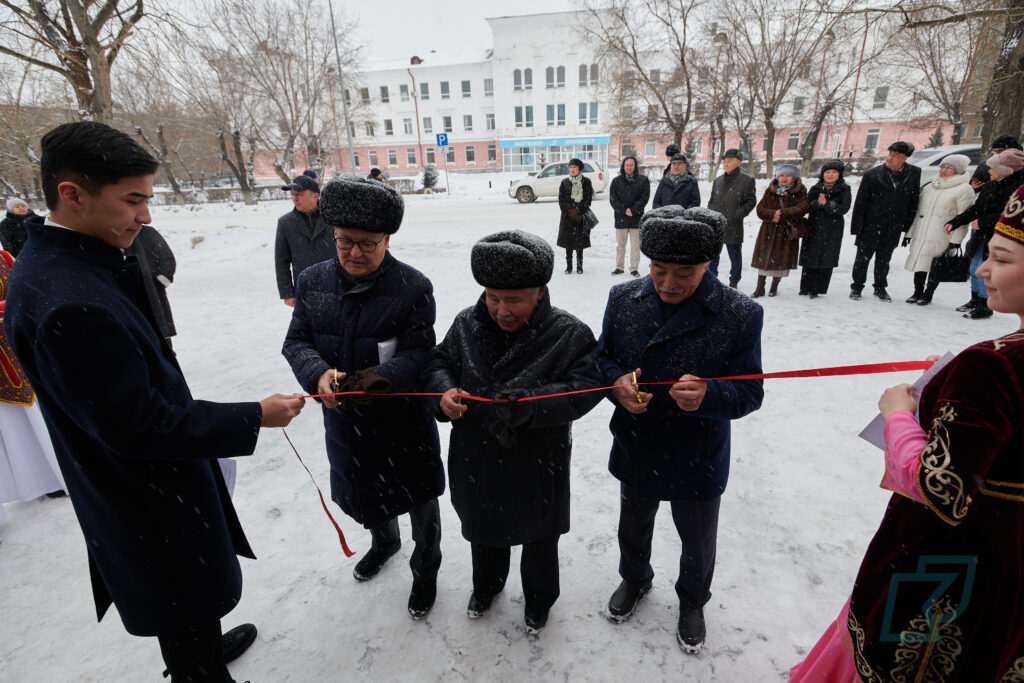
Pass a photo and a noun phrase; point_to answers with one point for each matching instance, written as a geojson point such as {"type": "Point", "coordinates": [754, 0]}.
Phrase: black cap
{"type": "Point", "coordinates": [733, 153]}
{"type": "Point", "coordinates": [1005, 141]}
{"type": "Point", "coordinates": [302, 182]}
{"type": "Point", "coordinates": [902, 147]}
{"type": "Point", "coordinates": [678, 156]}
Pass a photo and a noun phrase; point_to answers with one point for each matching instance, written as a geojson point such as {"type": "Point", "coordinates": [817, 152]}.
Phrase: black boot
{"type": "Point", "coordinates": [579, 261]}
{"type": "Point", "coordinates": [929, 291]}
{"type": "Point", "coordinates": [691, 631]}
{"type": "Point", "coordinates": [774, 291]}
{"type": "Point", "coordinates": [478, 605]}
{"type": "Point", "coordinates": [969, 306]}
{"type": "Point", "coordinates": [919, 279]}
{"type": "Point", "coordinates": [980, 310]}
{"type": "Point", "coordinates": [759, 290]}
{"type": "Point", "coordinates": [625, 599]}
{"type": "Point", "coordinates": [372, 561]}
{"type": "Point", "coordinates": [882, 294]}
{"type": "Point", "coordinates": [568, 264]}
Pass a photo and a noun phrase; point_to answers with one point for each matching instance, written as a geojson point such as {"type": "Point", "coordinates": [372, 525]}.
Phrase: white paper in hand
{"type": "Point", "coordinates": [386, 349]}
{"type": "Point", "coordinates": [229, 468]}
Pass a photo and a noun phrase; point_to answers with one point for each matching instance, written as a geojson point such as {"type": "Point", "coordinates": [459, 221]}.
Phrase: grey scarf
{"type": "Point", "coordinates": [576, 193]}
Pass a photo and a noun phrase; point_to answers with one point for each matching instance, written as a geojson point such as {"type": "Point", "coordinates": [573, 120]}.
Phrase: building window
{"type": "Point", "coordinates": [373, 157]}
{"type": "Point", "coordinates": [583, 113]}
{"type": "Point", "coordinates": [428, 125]}
{"type": "Point", "coordinates": [747, 108]}
{"type": "Point", "coordinates": [871, 142]}
{"type": "Point", "coordinates": [583, 75]}
{"type": "Point", "coordinates": [492, 152]}
{"type": "Point", "coordinates": [649, 149]}
{"type": "Point", "coordinates": [703, 75]}
{"type": "Point", "coordinates": [445, 94]}
{"type": "Point", "coordinates": [593, 113]}
{"type": "Point", "coordinates": [529, 116]}
{"type": "Point", "coordinates": [410, 156]}
{"type": "Point", "coordinates": [700, 109]}
{"type": "Point", "coordinates": [424, 91]}
{"type": "Point", "coordinates": [388, 129]}
{"type": "Point", "coordinates": [355, 156]}
{"type": "Point", "coordinates": [364, 95]}
{"type": "Point", "coordinates": [517, 80]}
{"type": "Point", "coordinates": [798, 105]}
{"type": "Point", "coordinates": [348, 100]}
{"type": "Point", "coordinates": [467, 123]}
{"type": "Point", "coordinates": [450, 157]}
{"type": "Point", "coordinates": [627, 148]}
{"type": "Point", "coordinates": [403, 92]}
{"type": "Point", "coordinates": [466, 89]}
{"type": "Point", "coordinates": [551, 114]}
{"type": "Point", "coordinates": [429, 151]}
{"type": "Point", "coordinates": [392, 158]}
{"type": "Point", "coordinates": [488, 87]}
{"type": "Point", "coordinates": [351, 129]}
{"type": "Point", "coordinates": [794, 142]}
{"type": "Point", "coordinates": [447, 121]}
{"type": "Point", "coordinates": [560, 77]}
{"type": "Point", "coordinates": [384, 97]}
{"type": "Point", "coordinates": [881, 95]}
{"type": "Point", "coordinates": [489, 121]}
{"type": "Point", "coordinates": [407, 126]}
{"type": "Point", "coordinates": [527, 79]}
{"type": "Point", "coordinates": [977, 129]}
{"type": "Point", "coordinates": [470, 155]}
{"type": "Point", "coordinates": [656, 76]}
{"type": "Point", "coordinates": [764, 144]}
{"type": "Point", "coordinates": [549, 77]}
{"type": "Point", "coordinates": [369, 130]}
{"type": "Point", "coordinates": [561, 115]}
{"type": "Point", "coordinates": [697, 145]}
{"type": "Point", "coordinates": [519, 117]}
{"type": "Point", "coordinates": [593, 75]}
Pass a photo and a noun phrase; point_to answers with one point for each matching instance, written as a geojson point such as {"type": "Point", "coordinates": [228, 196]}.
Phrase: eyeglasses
{"type": "Point", "coordinates": [365, 246]}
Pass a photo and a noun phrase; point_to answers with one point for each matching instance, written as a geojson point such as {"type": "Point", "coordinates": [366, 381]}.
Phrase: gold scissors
{"type": "Point", "coordinates": [636, 389]}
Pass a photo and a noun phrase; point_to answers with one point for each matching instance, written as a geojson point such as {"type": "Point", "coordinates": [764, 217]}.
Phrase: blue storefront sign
{"type": "Point", "coordinates": [555, 142]}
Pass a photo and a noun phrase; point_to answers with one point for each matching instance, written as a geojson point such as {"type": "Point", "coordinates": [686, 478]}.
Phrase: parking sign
{"type": "Point", "coordinates": [442, 139]}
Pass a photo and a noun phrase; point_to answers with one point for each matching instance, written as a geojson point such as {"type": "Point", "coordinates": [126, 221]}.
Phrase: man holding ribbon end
{"type": "Point", "coordinates": [508, 460]}
{"type": "Point", "coordinates": [671, 441]}
{"type": "Point", "coordinates": [364, 322]}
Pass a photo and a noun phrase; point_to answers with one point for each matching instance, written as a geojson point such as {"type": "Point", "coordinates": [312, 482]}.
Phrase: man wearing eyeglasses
{"type": "Point", "coordinates": [364, 321]}
{"type": "Point", "coordinates": [302, 236]}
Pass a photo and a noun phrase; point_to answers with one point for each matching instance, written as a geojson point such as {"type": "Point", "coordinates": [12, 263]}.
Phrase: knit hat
{"type": "Point", "coordinates": [362, 204]}
{"type": "Point", "coordinates": [300, 183]}
{"type": "Point", "coordinates": [834, 165]}
{"type": "Point", "coordinates": [671, 150]}
{"type": "Point", "coordinates": [673, 234]}
{"type": "Point", "coordinates": [902, 147]}
{"type": "Point", "coordinates": [1005, 141]}
{"type": "Point", "coordinates": [15, 201]}
{"type": "Point", "coordinates": [733, 153]}
{"type": "Point", "coordinates": [958, 161]}
{"type": "Point", "coordinates": [1006, 162]}
{"type": "Point", "coordinates": [1011, 223]}
{"type": "Point", "coordinates": [512, 259]}
{"type": "Point", "coordinates": [787, 169]}
{"type": "Point", "coordinates": [309, 173]}
{"type": "Point", "coordinates": [679, 156]}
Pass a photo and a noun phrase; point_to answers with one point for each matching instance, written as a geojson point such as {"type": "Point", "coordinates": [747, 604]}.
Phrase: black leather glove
{"type": "Point", "coordinates": [368, 380]}
{"type": "Point", "coordinates": [906, 241]}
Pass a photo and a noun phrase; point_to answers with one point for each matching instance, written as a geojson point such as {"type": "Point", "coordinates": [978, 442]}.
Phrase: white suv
{"type": "Point", "coordinates": [545, 183]}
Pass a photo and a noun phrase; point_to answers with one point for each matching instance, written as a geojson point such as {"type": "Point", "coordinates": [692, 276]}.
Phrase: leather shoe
{"type": "Point", "coordinates": [625, 599]}
{"type": "Point", "coordinates": [422, 597]}
{"type": "Point", "coordinates": [372, 562]}
{"type": "Point", "coordinates": [882, 294]}
{"type": "Point", "coordinates": [691, 631]}
{"type": "Point", "coordinates": [478, 605]}
{"type": "Point", "coordinates": [855, 295]}
{"type": "Point", "coordinates": [237, 641]}
{"type": "Point", "coordinates": [535, 621]}
{"type": "Point", "coordinates": [635, 273]}
{"type": "Point", "coordinates": [618, 271]}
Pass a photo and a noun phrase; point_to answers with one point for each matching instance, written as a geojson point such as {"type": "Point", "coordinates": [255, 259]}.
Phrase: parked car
{"type": "Point", "coordinates": [545, 183]}
{"type": "Point", "coordinates": [929, 159]}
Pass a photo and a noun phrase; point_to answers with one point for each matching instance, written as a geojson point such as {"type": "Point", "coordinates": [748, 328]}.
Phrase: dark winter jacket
{"type": "Point", "coordinates": [155, 259]}
{"type": "Point", "coordinates": [734, 197]}
{"type": "Point", "coordinates": [629, 194]}
{"type": "Point", "coordinates": [686, 194]}
{"type": "Point", "coordinates": [881, 210]}
{"type": "Point", "coordinates": [511, 486]}
{"type": "Point", "coordinates": [302, 240]}
{"type": "Point", "coordinates": [385, 457]}
{"type": "Point", "coordinates": [138, 453]}
{"type": "Point", "coordinates": [987, 209]}
{"type": "Point", "coordinates": [773, 248]}
{"type": "Point", "coordinates": [571, 233]}
{"type": "Point", "coordinates": [821, 249]}
{"type": "Point", "coordinates": [12, 232]}
{"type": "Point", "coordinates": [980, 174]}
{"type": "Point", "coordinates": [667, 453]}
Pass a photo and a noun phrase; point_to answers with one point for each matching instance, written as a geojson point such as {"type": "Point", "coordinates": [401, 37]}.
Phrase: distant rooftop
{"type": "Point", "coordinates": [419, 60]}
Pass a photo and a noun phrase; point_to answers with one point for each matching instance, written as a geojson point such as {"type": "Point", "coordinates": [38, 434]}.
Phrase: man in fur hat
{"type": "Point", "coordinates": [364, 321]}
{"type": "Point", "coordinates": [671, 442]}
{"type": "Point", "coordinates": [508, 462]}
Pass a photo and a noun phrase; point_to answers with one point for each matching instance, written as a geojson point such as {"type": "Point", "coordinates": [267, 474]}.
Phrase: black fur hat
{"type": "Point", "coordinates": [673, 234]}
{"type": "Point", "coordinates": [902, 147]}
{"type": "Point", "coordinates": [362, 204]}
{"type": "Point", "coordinates": [671, 150]}
{"type": "Point", "coordinates": [512, 259]}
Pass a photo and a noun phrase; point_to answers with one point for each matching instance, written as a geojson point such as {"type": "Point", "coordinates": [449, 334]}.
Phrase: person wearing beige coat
{"type": "Point", "coordinates": [941, 199]}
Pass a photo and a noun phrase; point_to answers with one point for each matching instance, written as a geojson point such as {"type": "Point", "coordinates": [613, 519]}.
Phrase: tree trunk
{"type": "Point", "coordinates": [806, 150]}
{"type": "Point", "coordinates": [162, 156]}
{"type": "Point", "coordinates": [1004, 104]}
{"type": "Point", "coordinates": [238, 169]}
{"type": "Point", "coordinates": [769, 156]}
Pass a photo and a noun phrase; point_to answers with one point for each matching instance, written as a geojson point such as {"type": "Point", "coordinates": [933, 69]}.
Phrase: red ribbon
{"type": "Point", "coordinates": [341, 536]}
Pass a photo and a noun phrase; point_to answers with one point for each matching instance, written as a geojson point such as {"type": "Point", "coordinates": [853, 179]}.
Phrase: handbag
{"type": "Point", "coordinates": [953, 266]}
{"type": "Point", "coordinates": [589, 220]}
{"type": "Point", "coordinates": [797, 228]}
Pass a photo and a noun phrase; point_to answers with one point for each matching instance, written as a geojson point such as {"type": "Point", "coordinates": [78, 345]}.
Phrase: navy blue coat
{"type": "Point", "coordinates": [137, 452]}
{"type": "Point", "coordinates": [686, 194]}
{"type": "Point", "coordinates": [385, 456]}
{"type": "Point", "coordinates": [666, 453]}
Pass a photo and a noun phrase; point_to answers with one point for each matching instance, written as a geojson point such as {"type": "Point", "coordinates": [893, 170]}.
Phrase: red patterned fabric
{"type": "Point", "coordinates": [14, 388]}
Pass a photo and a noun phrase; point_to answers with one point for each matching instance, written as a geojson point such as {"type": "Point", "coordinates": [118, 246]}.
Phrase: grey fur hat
{"type": "Point", "coordinates": [512, 259]}
{"type": "Point", "coordinates": [788, 169]}
{"type": "Point", "coordinates": [362, 204]}
{"type": "Point", "coordinates": [15, 201]}
{"type": "Point", "coordinates": [673, 234]}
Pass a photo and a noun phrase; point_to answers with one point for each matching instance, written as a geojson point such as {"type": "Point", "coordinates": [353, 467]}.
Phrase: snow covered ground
{"type": "Point", "coordinates": [801, 507]}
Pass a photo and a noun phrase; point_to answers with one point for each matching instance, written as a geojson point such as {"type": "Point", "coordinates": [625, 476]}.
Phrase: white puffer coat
{"type": "Point", "coordinates": [941, 199]}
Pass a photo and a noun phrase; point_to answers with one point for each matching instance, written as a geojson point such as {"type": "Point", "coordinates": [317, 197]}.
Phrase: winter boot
{"type": "Point", "coordinates": [882, 294]}
{"type": "Point", "coordinates": [774, 291]}
{"type": "Point", "coordinates": [919, 279]}
{"type": "Point", "coordinates": [422, 597]}
{"type": "Point", "coordinates": [372, 561]}
{"type": "Point", "coordinates": [624, 600]}
{"type": "Point", "coordinates": [980, 310]}
{"type": "Point", "coordinates": [535, 620]}
{"type": "Point", "coordinates": [478, 605]}
{"type": "Point", "coordinates": [568, 264]}
{"type": "Point", "coordinates": [970, 305]}
{"type": "Point", "coordinates": [929, 291]}
{"type": "Point", "coordinates": [237, 641]}
{"type": "Point", "coordinates": [579, 261]}
{"type": "Point", "coordinates": [759, 290]}
{"type": "Point", "coordinates": [691, 630]}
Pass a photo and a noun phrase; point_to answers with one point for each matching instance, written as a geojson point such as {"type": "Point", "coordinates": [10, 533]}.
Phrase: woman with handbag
{"type": "Point", "coordinates": [574, 197]}
{"type": "Point", "coordinates": [829, 200]}
{"type": "Point", "coordinates": [942, 199]}
{"type": "Point", "coordinates": [781, 210]}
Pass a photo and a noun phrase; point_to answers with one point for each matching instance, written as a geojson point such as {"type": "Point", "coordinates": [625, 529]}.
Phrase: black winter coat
{"type": "Point", "coordinates": [12, 232]}
{"type": "Point", "coordinates": [571, 233]}
{"type": "Point", "coordinates": [302, 240]}
{"type": "Point", "coordinates": [156, 258]}
{"type": "Point", "coordinates": [138, 453]}
{"type": "Point", "coordinates": [734, 197]}
{"type": "Point", "coordinates": [821, 249]}
{"type": "Point", "coordinates": [881, 212]}
{"type": "Point", "coordinates": [634, 196]}
{"type": "Point", "coordinates": [509, 491]}
{"type": "Point", "coordinates": [385, 456]}
{"type": "Point", "coordinates": [686, 194]}
{"type": "Point", "coordinates": [987, 209]}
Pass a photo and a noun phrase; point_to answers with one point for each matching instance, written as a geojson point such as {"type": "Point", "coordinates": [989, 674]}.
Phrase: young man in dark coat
{"type": "Point", "coordinates": [364, 321]}
{"type": "Point", "coordinates": [733, 196]}
{"type": "Point", "coordinates": [678, 187]}
{"type": "Point", "coordinates": [628, 195]}
{"type": "Point", "coordinates": [508, 462]}
{"type": "Point", "coordinates": [138, 453]}
{"type": "Point", "coordinates": [303, 238]}
{"type": "Point", "coordinates": [886, 206]}
{"type": "Point", "coordinates": [672, 443]}
{"type": "Point", "coordinates": [12, 227]}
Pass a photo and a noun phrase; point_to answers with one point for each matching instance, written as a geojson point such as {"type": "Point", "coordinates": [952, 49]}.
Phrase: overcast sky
{"type": "Point", "coordinates": [400, 28]}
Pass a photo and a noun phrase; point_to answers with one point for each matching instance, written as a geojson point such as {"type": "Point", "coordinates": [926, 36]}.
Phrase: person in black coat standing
{"type": "Point", "coordinates": [138, 453]}
{"type": "Point", "coordinates": [364, 321]}
{"type": "Point", "coordinates": [508, 462]}
{"type": "Point", "coordinates": [886, 206]}
{"type": "Point", "coordinates": [628, 195]}
{"type": "Point", "coordinates": [12, 227]}
{"type": "Point", "coordinates": [828, 200]}
{"type": "Point", "coordinates": [732, 195]}
{"type": "Point", "coordinates": [678, 187]}
{"type": "Point", "coordinates": [303, 238]}
{"type": "Point", "coordinates": [157, 265]}
{"type": "Point", "coordinates": [575, 195]}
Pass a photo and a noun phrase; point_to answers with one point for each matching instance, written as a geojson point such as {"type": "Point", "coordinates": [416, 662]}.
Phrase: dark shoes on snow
{"type": "Point", "coordinates": [969, 306]}
{"type": "Point", "coordinates": [478, 605]}
{"type": "Point", "coordinates": [422, 597]}
{"type": "Point", "coordinates": [635, 273]}
{"type": "Point", "coordinates": [535, 621]}
{"type": "Point", "coordinates": [625, 599]}
{"type": "Point", "coordinates": [691, 632]}
{"type": "Point", "coordinates": [372, 562]}
{"type": "Point", "coordinates": [618, 271]}
{"type": "Point", "coordinates": [980, 311]}
{"type": "Point", "coordinates": [236, 641]}
{"type": "Point", "coordinates": [855, 295]}
{"type": "Point", "coordinates": [882, 294]}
